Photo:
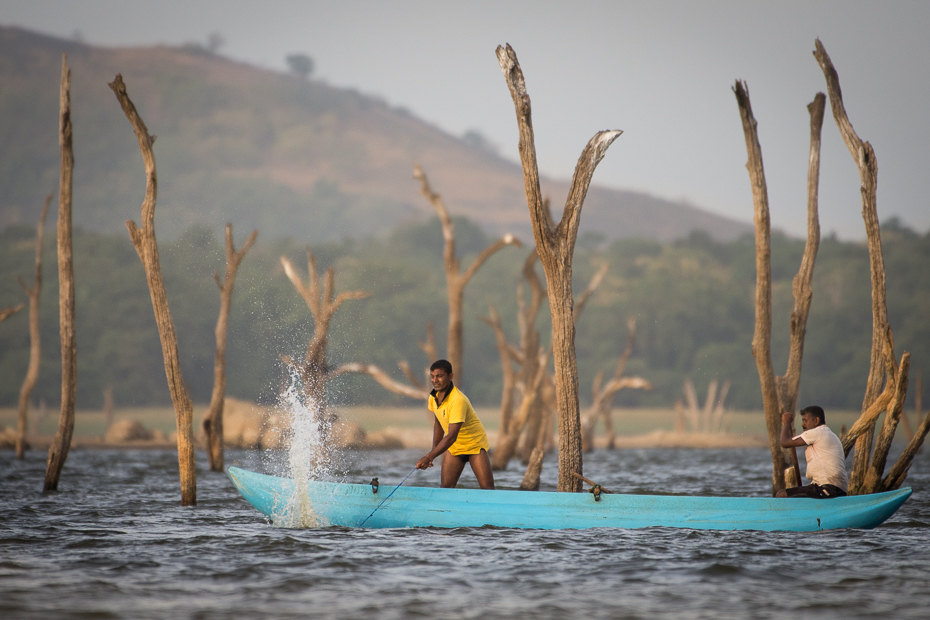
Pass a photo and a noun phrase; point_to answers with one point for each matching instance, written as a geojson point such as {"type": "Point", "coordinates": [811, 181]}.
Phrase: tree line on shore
{"type": "Point", "coordinates": [692, 300]}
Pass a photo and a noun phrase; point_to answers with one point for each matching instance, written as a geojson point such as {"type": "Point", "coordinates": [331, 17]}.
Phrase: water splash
{"type": "Point", "coordinates": [307, 457]}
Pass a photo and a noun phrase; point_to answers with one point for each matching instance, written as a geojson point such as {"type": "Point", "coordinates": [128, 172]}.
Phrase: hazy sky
{"type": "Point", "coordinates": [660, 71]}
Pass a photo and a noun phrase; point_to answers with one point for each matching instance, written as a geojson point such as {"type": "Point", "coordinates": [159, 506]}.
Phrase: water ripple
{"type": "Point", "coordinates": [114, 543]}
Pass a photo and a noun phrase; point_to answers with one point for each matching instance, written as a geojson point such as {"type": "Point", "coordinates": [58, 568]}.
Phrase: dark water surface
{"type": "Point", "coordinates": [115, 543]}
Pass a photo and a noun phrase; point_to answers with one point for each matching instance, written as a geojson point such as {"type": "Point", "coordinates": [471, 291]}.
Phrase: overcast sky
{"type": "Point", "coordinates": [660, 71]}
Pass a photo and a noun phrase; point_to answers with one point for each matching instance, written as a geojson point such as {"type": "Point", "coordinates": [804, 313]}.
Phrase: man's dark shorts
{"type": "Point", "coordinates": [816, 491]}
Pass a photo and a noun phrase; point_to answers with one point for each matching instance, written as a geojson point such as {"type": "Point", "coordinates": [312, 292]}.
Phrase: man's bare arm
{"type": "Point", "coordinates": [787, 441]}
{"type": "Point", "coordinates": [442, 446]}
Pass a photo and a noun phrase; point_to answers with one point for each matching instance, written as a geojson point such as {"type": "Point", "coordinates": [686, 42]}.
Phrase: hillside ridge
{"type": "Point", "coordinates": [265, 150]}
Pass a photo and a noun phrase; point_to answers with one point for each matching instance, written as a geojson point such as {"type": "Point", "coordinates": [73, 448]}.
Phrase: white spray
{"type": "Point", "coordinates": [307, 458]}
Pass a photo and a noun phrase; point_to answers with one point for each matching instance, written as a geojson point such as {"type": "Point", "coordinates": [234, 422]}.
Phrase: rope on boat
{"type": "Point", "coordinates": [387, 498]}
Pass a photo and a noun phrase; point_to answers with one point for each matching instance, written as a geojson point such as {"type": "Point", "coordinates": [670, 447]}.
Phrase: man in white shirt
{"type": "Point", "coordinates": [826, 461]}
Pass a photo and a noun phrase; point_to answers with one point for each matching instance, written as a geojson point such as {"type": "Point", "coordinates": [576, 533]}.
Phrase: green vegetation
{"type": "Point", "coordinates": [693, 300]}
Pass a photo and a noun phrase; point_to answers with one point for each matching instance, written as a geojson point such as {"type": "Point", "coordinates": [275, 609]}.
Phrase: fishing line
{"type": "Point", "coordinates": [387, 498]}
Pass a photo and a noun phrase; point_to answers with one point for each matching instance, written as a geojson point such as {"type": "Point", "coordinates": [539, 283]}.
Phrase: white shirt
{"type": "Point", "coordinates": [826, 462]}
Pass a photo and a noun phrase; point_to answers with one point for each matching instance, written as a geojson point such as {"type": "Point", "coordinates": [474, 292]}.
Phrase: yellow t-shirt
{"type": "Point", "coordinates": [457, 408]}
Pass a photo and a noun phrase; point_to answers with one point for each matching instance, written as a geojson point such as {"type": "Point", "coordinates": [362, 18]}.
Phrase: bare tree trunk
{"type": "Point", "coordinates": [107, 408]}
{"type": "Point", "coordinates": [779, 395]}
{"type": "Point", "coordinates": [58, 451]}
{"type": "Point", "coordinates": [556, 245]}
{"type": "Point", "coordinates": [898, 473]}
{"type": "Point", "coordinates": [531, 393]}
{"type": "Point", "coordinates": [455, 279]}
{"type": "Point", "coordinates": [507, 370]}
{"type": "Point", "coordinates": [35, 341]}
{"type": "Point", "coordinates": [143, 240]}
{"type": "Point", "coordinates": [866, 161]}
{"type": "Point", "coordinates": [531, 356]}
{"type": "Point", "coordinates": [873, 479]}
{"type": "Point", "coordinates": [213, 421]}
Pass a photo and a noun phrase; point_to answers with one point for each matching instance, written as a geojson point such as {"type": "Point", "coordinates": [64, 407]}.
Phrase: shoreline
{"type": "Point", "coordinates": [396, 438]}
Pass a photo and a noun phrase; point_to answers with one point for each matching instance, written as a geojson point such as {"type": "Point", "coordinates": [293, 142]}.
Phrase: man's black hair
{"type": "Point", "coordinates": [442, 365]}
{"type": "Point", "coordinates": [815, 411]}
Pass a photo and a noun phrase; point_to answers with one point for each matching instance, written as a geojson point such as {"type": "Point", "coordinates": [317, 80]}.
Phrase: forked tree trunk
{"type": "Point", "coordinates": [556, 245]}
{"type": "Point", "coordinates": [143, 240]}
{"type": "Point", "coordinates": [779, 395]}
{"type": "Point", "coordinates": [35, 341]}
{"type": "Point", "coordinates": [867, 163]}
{"type": "Point", "coordinates": [456, 280]}
{"type": "Point", "coordinates": [58, 451]}
{"type": "Point", "coordinates": [323, 304]}
{"type": "Point", "coordinates": [213, 421]}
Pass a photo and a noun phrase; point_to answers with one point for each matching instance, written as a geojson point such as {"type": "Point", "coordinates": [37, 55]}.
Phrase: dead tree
{"type": "Point", "coordinates": [780, 394]}
{"type": "Point", "coordinates": [35, 341]}
{"type": "Point", "coordinates": [868, 463]}
{"type": "Point", "coordinates": [456, 279]}
{"type": "Point", "coordinates": [213, 421]}
{"type": "Point", "coordinates": [556, 245]}
{"type": "Point", "coordinates": [603, 394]}
{"type": "Point", "coordinates": [61, 444]}
{"type": "Point", "coordinates": [8, 312]}
{"type": "Point", "coordinates": [508, 356]}
{"type": "Point", "coordinates": [313, 370]}
{"type": "Point", "coordinates": [538, 433]}
{"type": "Point", "coordinates": [143, 240]}
{"type": "Point", "coordinates": [710, 418]}
{"type": "Point", "coordinates": [107, 408]}
{"type": "Point", "coordinates": [529, 356]}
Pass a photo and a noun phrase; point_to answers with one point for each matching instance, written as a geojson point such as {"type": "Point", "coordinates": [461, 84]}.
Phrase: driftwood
{"type": "Point", "coordinates": [556, 245]}
{"type": "Point", "coordinates": [34, 292]}
{"type": "Point", "coordinates": [143, 240]}
{"type": "Point", "coordinates": [780, 394]}
{"type": "Point", "coordinates": [61, 444]}
{"type": "Point", "coordinates": [213, 421]}
{"type": "Point", "coordinates": [456, 279]}
{"type": "Point", "coordinates": [323, 304]}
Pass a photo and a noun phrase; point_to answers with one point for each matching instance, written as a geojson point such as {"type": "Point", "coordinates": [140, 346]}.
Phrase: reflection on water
{"type": "Point", "coordinates": [114, 542]}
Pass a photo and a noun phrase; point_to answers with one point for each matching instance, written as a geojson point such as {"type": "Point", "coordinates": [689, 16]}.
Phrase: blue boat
{"type": "Point", "coordinates": [352, 505]}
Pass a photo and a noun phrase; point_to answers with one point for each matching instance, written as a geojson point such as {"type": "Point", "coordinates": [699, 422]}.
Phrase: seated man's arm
{"type": "Point", "coordinates": [787, 441]}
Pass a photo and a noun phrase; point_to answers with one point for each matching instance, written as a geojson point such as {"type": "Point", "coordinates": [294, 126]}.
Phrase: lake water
{"type": "Point", "coordinates": [115, 543]}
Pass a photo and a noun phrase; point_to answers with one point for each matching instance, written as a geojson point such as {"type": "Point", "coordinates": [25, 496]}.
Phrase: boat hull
{"type": "Point", "coordinates": [350, 505]}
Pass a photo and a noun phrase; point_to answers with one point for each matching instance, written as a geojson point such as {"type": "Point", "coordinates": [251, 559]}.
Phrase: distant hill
{"type": "Point", "coordinates": [265, 150]}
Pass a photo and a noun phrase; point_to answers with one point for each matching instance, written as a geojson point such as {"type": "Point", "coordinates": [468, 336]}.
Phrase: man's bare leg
{"type": "Point", "coordinates": [452, 468]}
{"type": "Point", "coordinates": [481, 465]}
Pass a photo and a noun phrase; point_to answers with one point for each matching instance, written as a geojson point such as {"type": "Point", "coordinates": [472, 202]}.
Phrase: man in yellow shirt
{"type": "Point", "coordinates": [457, 430]}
